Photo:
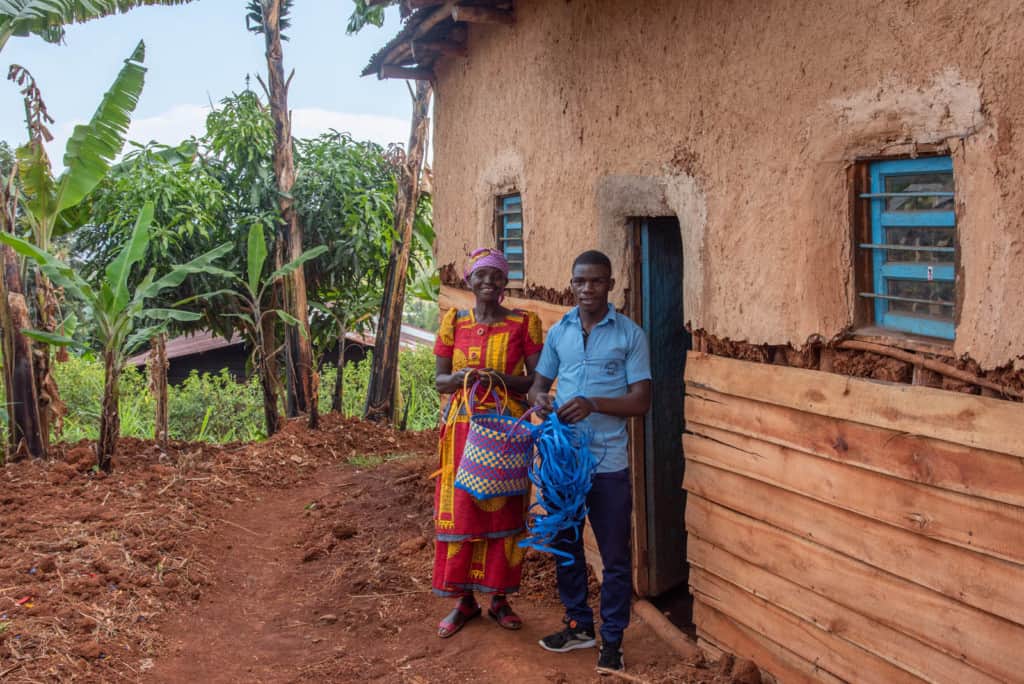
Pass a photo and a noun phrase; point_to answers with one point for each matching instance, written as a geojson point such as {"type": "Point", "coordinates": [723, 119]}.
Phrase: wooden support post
{"type": "Point", "coordinates": [380, 395]}
{"type": "Point", "coordinates": [482, 15]}
{"type": "Point", "coordinates": [156, 363]}
{"type": "Point", "coordinates": [663, 627]}
{"type": "Point", "coordinates": [396, 71]}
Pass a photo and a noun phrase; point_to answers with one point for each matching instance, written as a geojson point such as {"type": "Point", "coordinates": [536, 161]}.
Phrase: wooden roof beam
{"type": "Point", "coordinates": [436, 17]}
{"type": "Point", "coordinates": [396, 71]}
{"type": "Point", "coordinates": [445, 48]}
{"type": "Point", "coordinates": [482, 15]}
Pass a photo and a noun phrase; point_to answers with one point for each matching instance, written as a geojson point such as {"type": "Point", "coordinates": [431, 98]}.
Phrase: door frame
{"type": "Point", "coordinates": [643, 572]}
{"type": "Point", "coordinates": [637, 437]}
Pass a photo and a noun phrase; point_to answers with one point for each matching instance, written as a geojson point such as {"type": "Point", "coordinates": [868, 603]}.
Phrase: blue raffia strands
{"type": "Point", "coordinates": [562, 470]}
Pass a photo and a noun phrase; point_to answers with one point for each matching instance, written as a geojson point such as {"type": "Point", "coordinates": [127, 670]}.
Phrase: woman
{"type": "Point", "coordinates": [477, 540]}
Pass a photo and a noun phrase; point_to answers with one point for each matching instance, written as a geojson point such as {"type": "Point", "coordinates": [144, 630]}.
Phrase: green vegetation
{"type": "Point", "coordinates": [106, 254]}
{"type": "Point", "coordinates": [374, 460]}
{"type": "Point", "coordinates": [232, 411]}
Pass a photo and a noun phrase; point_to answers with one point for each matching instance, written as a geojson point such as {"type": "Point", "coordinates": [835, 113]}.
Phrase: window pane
{"type": "Point", "coordinates": [919, 236]}
{"type": "Point", "coordinates": [919, 182]}
{"type": "Point", "coordinates": [932, 299]}
{"type": "Point", "coordinates": [510, 233]}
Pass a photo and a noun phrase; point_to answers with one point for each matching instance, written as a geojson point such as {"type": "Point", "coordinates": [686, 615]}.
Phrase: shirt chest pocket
{"type": "Point", "coordinates": [606, 373]}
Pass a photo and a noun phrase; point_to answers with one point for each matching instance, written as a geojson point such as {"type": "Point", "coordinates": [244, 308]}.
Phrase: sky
{"type": "Point", "coordinates": [200, 53]}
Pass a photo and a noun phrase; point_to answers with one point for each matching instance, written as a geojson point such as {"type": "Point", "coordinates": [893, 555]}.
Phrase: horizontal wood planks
{"type": "Point", "coordinates": [870, 635]}
{"type": "Point", "coordinates": [733, 637]}
{"type": "Point", "coordinates": [980, 473]}
{"type": "Point", "coordinates": [981, 422]}
{"type": "Point", "coordinates": [843, 529]}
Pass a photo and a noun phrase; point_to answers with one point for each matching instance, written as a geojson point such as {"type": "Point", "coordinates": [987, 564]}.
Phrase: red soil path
{"type": "Point", "coordinates": [304, 558]}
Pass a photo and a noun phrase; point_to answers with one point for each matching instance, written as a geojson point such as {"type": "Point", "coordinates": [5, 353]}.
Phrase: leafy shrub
{"type": "Point", "coordinates": [216, 408]}
{"type": "Point", "coordinates": [80, 380]}
{"type": "Point", "coordinates": [422, 404]}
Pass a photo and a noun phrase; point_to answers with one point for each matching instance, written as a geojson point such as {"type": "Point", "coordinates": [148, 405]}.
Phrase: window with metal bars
{"type": "Point", "coordinates": [911, 250]}
{"type": "Point", "coordinates": [510, 234]}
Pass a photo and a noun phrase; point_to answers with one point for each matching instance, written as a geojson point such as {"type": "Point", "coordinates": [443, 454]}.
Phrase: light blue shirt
{"type": "Point", "coordinates": [614, 357]}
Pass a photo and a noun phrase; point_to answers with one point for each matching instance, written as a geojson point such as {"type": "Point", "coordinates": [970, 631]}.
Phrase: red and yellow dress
{"type": "Point", "coordinates": [477, 541]}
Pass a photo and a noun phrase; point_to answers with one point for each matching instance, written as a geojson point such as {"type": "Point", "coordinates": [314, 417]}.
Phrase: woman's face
{"type": "Point", "coordinates": [487, 284]}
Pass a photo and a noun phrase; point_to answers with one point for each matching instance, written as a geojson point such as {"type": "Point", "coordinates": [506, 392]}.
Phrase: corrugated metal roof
{"type": "Point", "coordinates": [205, 341]}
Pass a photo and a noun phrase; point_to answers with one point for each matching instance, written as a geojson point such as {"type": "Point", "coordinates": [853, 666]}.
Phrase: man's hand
{"type": "Point", "coordinates": [544, 405]}
{"type": "Point", "coordinates": [575, 410]}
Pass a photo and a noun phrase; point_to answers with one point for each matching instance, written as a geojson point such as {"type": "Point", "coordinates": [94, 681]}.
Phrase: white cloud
{"type": "Point", "coordinates": [310, 122]}
{"type": "Point", "coordinates": [181, 121]}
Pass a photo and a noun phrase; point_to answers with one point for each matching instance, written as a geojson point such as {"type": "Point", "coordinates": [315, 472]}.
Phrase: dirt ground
{"type": "Point", "coordinates": [303, 558]}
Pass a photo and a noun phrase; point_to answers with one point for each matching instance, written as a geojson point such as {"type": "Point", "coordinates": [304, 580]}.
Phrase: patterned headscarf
{"type": "Point", "coordinates": [485, 257]}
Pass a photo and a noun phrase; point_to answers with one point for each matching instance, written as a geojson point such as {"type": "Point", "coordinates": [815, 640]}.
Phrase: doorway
{"type": "Point", "coordinates": [656, 301]}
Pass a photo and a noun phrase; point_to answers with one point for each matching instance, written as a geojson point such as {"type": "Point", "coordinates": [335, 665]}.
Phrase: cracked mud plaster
{"type": "Point", "coordinates": [769, 110]}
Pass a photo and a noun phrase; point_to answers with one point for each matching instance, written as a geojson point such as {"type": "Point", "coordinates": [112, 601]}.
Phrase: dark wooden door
{"type": "Point", "coordinates": [663, 319]}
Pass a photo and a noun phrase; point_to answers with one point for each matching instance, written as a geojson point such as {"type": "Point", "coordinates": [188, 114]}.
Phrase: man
{"type": "Point", "coordinates": [601, 361]}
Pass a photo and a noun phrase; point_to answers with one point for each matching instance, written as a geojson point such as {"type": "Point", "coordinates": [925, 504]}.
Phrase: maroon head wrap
{"type": "Point", "coordinates": [485, 257]}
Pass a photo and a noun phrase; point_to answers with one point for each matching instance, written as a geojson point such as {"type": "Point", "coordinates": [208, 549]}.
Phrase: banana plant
{"type": "Point", "coordinates": [47, 18]}
{"type": "Point", "coordinates": [52, 205]}
{"type": "Point", "coordinates": [88, 156]}
{"type": "Point", "coordinates": [120, 319]}
{"type": "Point", "coordinates": [255, 318]}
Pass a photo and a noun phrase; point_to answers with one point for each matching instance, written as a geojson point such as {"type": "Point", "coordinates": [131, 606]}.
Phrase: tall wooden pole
{"type": "Point", "coordinates": [380, 405]}
{"type": "Point", "coordinates": [157, 365]}
{"type": "Point", "coordinates": [300, 351]}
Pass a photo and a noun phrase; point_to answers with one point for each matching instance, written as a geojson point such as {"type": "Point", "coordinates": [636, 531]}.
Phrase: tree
{"type": "Point", "coordinates": [117, 311]}
{"type": "Point", "coordinates": [189, 203]}
{"type": "Point", "coordinates": [25, 435]}
{"type": "Point", "coordinates": [50, 207]}
{"type": "Point", "coordinates": [248, 299]}
{"type": "Point", "coordinates": [343, 194]}
{"type": "Point", "coordinates": [270, 18]}
{"type": "Point", "coordinates": [47, 18]}
{"type": "Point", "coordinates": [380, 405]}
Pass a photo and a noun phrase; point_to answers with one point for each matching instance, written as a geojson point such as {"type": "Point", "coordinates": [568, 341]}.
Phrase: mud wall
{"type": "Point", "coordinates": [742, 122]}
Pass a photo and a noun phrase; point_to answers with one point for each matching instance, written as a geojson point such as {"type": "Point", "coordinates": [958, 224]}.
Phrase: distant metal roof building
{"type": "Point", "coordinates": [203, 342]}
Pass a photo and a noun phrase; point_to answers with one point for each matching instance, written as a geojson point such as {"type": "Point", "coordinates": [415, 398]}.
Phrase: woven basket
{"type": "Point", "coordinates": [496, 458]}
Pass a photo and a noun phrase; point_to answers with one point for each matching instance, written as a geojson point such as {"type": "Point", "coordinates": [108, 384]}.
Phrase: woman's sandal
{"type": "Point", "coordinates": [457, 619]}
{"type": "Point", "coordinates": [502, 613]}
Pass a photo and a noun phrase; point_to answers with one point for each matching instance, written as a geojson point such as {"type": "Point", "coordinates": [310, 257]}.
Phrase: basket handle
{"type": "Point", "coordinates": [508, 433]}
{"type": "Point", "coordinates": [471, 394]}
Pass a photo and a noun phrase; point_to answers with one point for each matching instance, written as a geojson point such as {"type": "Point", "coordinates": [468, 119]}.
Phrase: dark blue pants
{"type": "Point", "coordinates": [611, 503]}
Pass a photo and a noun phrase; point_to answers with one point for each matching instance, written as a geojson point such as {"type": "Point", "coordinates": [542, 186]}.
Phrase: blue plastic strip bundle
{"type": "Point", "coordinates": [561, 470]}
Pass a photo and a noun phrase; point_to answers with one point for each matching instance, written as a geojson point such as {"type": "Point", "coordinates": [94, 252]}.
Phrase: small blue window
{"type": "Point", "coordinates": [510, 234]}
{"type": "Point", "coordinates": [913, 246]}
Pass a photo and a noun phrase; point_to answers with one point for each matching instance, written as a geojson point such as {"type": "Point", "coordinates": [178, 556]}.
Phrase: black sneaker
{"type": "Point", "coordinates": [572, 637]}
{"type": "Point", "coordinates": [610, 659]}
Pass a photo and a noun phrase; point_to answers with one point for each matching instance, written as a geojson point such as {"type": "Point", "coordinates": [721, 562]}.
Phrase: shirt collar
{"type": "Point", "coordinates": [574, 315]}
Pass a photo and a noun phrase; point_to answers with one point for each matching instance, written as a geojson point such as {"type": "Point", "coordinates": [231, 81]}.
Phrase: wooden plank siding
{"type": "Point", "coordinates": [980, 473]}
{"type": "Point", "coordinates": [981, 422]}
{"type": "Point", "coordinates": [847, 529]}
{"type": "Point", "coordinates": [725, 634]}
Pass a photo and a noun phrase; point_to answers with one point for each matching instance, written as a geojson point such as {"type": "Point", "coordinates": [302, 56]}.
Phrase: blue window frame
{"type": "Point", "coordinates": [510, 234]}
{"type": "Point", "coordinates": [913, 245]}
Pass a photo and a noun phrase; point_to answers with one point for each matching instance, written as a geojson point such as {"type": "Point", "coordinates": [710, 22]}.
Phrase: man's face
{"type": "Point", "coordinates": [591, 284]}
